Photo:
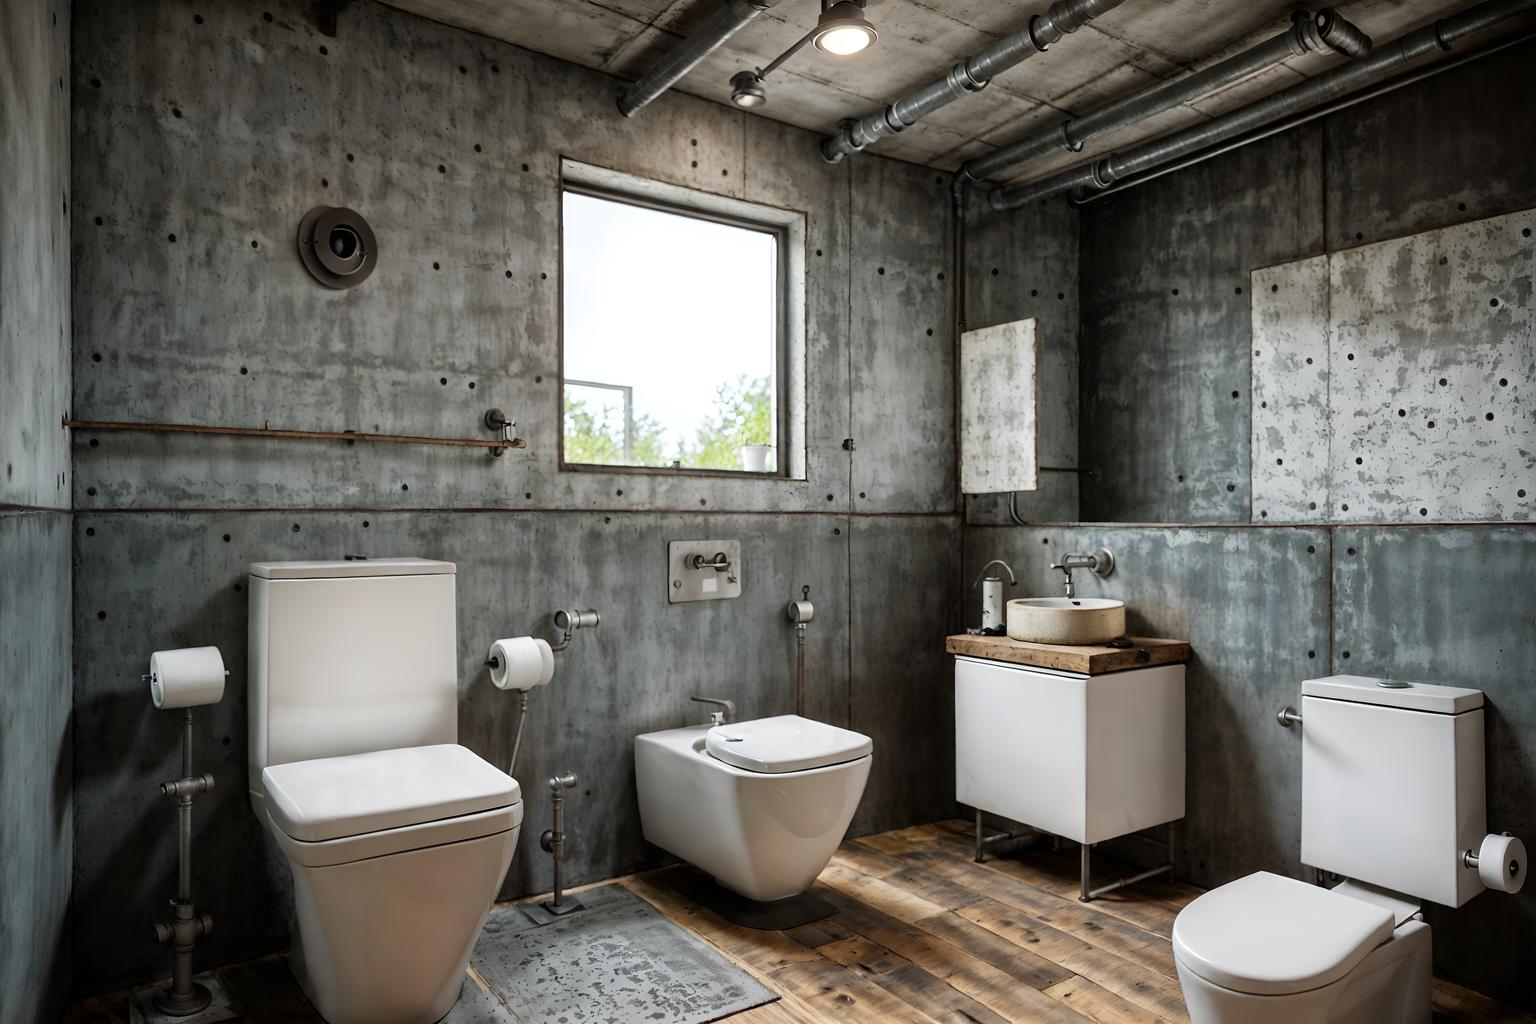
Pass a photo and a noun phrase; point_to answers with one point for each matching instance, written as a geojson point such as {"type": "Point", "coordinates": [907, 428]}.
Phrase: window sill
{"type": "Point", "coordinates": [729, 474]}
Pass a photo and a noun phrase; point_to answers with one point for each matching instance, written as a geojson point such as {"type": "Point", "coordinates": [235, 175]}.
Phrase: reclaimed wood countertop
{"type": "Point", "coordinates": [1090, 661]}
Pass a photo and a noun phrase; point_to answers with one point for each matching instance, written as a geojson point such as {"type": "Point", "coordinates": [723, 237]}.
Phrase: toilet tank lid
{"type": "Point", "coordinates": [350, 568]}
{"type": "Point", "coordinates": [785, 743]}
{"type": "Point", "coordinates": [1269, 935]}
{"type": "Point", "coordinates": [1443, 700]}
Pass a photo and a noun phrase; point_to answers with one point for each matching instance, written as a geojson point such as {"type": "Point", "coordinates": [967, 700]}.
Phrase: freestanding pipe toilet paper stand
{"type": "Point", "coordinates": [185, 679]}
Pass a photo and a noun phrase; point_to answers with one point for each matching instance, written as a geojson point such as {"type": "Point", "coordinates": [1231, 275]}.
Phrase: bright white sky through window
{"type": "Point", "coordinates": [670, 305]}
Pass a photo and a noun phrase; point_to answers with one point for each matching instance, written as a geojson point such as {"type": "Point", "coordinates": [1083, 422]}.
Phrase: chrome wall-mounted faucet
{"type": "Point", "coordinates": [1101, 562]}
{"type": "Point", "coordinates": [718, 717]}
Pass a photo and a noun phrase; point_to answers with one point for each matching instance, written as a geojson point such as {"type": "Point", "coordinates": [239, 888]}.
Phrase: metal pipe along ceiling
{"type": "Point", "coordinates": [686, 54]}
{"type": "Point", "coordinates": [1306, 35]}
{"type": "Point", "coordinates": [1101, 174]}
{"type": "Point", "coordinates": [968, 76]}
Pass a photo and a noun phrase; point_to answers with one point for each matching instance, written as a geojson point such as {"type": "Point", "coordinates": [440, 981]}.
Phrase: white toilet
{"type": "Point", "coordinates": [760, 805]}
{"type": "Point", "coordinates": [1392, 799]}
{"type": "Point", "coordinates": [398, 837]}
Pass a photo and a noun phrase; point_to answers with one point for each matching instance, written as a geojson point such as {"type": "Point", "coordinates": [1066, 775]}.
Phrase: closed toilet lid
{"type": "Point", "coordinates": [336, 797]}
{"type": "Point", "coordinates": [1270, 935]}
{"type": "Point", "coordinates": [786, 743]}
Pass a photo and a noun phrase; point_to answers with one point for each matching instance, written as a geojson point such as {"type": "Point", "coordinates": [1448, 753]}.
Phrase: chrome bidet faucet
{"type": "Point", "coordinates": [1101, 562]}
{"type": "Point", "coordinates": [718, 717]}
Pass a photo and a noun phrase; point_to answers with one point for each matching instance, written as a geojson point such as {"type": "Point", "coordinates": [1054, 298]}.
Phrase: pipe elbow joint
{"type": "Point", "coordinates": [1332, 30]}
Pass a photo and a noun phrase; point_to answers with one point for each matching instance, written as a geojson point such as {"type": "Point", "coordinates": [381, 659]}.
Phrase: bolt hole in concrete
{"type": "Point", "coordinates": [89, 490]}
{"type": "Point", "coordinates": [197, 19]}
{"type": "Point", "coordinates": [95, 357]}
{"type": "Point", "coordinates": [1344, 655]}
{"type": "Point", "coordinates": [1312, 548]}
{"type": "Point", "coordinates": [324, 52]}
{"type": "Point", "coordinates": [90, 531]}
{"type": "Point", "coordinates": [95, 443]}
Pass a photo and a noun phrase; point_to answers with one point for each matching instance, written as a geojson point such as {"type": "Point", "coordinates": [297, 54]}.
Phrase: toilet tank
{"type": "Point", "coordinates": [1392, 784]}
{"type": "Point", "coordinates": [349, 657]}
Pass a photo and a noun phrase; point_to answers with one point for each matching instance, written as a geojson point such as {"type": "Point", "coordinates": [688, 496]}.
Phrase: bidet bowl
{"type": "Point", "coordinates": [1072, 621]}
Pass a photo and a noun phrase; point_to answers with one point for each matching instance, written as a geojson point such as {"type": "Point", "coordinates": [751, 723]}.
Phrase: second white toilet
{"type": "Point", "coordinates": [760, 805]}
{"type": "Point", "coordinates": [397, 836]}
{"type": "Point", "coordinates": [1392, 800]}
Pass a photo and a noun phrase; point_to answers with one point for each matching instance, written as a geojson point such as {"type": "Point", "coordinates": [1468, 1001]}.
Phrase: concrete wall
{"type": "Point", "coordinates": [205, 131]}
{"type": "Point", "coordinates": [35, 786]}
{"type": "Point", "coordinates": [1165, 377]}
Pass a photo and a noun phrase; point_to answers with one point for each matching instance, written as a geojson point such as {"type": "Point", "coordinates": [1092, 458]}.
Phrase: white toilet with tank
{"type": "Point", "coordinates": [760, 805]}
{"type": "Point", "coordinates": [1392, 801]}
{"type": "Point", "coordinates": [398, 837]}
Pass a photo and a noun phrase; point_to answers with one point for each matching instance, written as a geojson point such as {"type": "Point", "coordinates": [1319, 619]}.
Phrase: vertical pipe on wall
{"type": "Point", "coordinates": [1101, 174]}
{"type": "Point", "coordinates": [968, 76]}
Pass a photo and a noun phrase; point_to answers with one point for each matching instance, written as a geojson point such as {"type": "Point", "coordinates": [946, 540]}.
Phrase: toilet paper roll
{"type": "Point", "coordinates": [521, 663]}
{"type": "Point", "coordinates": [1501, 863]}
{"type": "Point", "coordinates": [186, 678]}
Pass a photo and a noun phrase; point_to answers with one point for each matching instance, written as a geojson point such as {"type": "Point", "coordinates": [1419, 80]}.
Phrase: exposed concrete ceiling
{"type": "Point", "coordinates": [1126, 51]}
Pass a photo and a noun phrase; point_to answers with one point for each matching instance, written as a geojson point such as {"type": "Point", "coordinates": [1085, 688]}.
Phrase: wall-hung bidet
{"type": "Point", "coordinates": [759, 805]}
{"type": "Point", "coordinates": [1392, 799]}
{"type": "Point", "coordinates": [398, 837]}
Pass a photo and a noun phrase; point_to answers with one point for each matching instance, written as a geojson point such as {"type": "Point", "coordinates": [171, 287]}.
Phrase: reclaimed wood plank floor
{"type": "Point", "coordinates": [925, 935]}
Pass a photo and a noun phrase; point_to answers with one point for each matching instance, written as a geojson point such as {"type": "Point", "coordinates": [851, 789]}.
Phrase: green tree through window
{"type": "Point", "coordinates": [742, 415]}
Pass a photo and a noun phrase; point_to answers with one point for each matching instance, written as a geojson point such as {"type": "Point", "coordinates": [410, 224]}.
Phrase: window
{"type": "Point", "coordinates": [676, 330]}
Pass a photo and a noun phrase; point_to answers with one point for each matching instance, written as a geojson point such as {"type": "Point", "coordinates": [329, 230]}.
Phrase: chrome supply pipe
{"type": "Point", "coordinates": [970, 75]}
{"type": "Point", "coordinates": [1103, 173]}
{"type": "Point", "coordinates": [184, 997]}
{"type": "Point", "coordinates": [687, 53]}
{"type": "Point", "coordinates": [553, 843]}
{"type": "Point", "coordinates": [1307, 34]}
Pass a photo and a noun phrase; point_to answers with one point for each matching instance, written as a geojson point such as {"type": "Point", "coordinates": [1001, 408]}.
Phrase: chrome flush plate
{"type": "Point", "coordinates": [703, 570]}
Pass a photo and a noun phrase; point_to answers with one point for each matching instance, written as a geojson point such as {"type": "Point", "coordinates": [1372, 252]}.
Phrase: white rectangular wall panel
{"type": "Point", "coordinates": [1290, 426]}
{"type": "Point", "coordinates": [1391, 392]}
{"type": "Point", "coordinates": [1432, 348]}
{"type": "Point", "coordinates": [999, 408]}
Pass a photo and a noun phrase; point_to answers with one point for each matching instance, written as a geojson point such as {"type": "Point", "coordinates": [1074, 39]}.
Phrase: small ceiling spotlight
{"type": "Point", "coordinates": [842, 30]}
{"type": "Point", "coordinates": [747, 90]}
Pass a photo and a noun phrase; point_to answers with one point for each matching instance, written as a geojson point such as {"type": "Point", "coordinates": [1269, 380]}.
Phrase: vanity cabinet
{"type": "Point", "coordinates": [1087, 757]}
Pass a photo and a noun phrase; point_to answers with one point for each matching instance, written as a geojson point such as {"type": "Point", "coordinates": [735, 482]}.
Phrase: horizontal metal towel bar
{"type": "Point", "coordinates": [494, 444]}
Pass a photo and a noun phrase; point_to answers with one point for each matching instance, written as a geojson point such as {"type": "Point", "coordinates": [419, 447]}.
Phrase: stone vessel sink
{"type": "Point", "coordinates": [1073, 621]}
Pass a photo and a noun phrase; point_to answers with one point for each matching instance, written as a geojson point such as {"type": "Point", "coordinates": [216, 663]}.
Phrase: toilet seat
{"type": "Point", "coordinates": [783, 744]}
{"type": "Point", "coordinates": [1270, 935]}
{"type": "Point", "coordinates": [403, 799]}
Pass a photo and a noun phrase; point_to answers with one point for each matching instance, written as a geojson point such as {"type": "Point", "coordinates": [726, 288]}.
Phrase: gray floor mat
{"type": "Point", "coordinates": [619, 961]}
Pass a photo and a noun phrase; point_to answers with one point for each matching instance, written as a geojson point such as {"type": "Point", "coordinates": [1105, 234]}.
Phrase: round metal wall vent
{"type": "Point", "coordinates": [337, 246]}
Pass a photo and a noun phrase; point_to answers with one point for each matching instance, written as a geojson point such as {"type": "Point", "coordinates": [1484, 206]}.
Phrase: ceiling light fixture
{"type": "Point", "coordinates": [842, 30]}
